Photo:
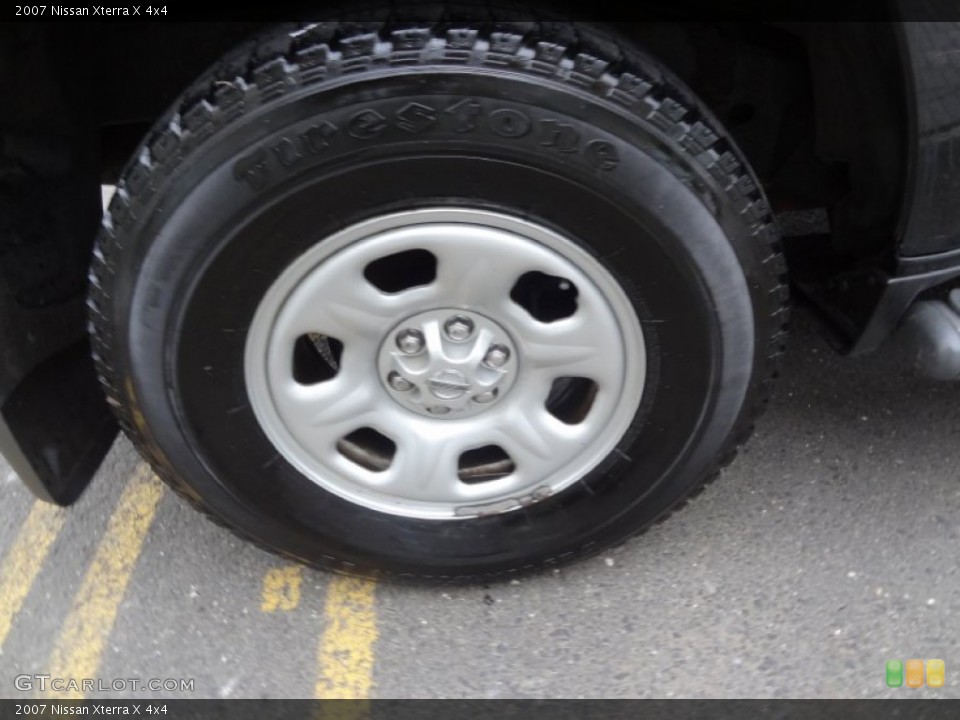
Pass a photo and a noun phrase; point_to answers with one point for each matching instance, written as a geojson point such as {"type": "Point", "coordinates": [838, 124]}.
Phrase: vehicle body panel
{"type": "Point", "coordinates": [930, 220]}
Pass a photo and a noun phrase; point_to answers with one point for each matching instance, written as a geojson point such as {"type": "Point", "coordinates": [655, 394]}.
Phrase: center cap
{"type": "Point", "coordinates": [448, 384]}
{"type": "Point", "coordinates": [448, 363]}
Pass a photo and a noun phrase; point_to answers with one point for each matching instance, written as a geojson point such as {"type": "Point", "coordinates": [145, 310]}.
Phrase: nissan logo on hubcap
{"type": "Point", "coordinates": [448, 384]}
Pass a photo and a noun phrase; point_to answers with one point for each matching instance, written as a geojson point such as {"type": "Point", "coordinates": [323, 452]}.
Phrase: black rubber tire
{"type": "Point", "coordinates": [642, 175]}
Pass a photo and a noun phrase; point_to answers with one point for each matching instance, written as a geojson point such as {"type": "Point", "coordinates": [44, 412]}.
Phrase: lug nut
{"type": "Point", "coordinates": [496, 356]}
{"type": "Point", "coordinates": [485, 397]}
{"type": "Point", "coordinates": [398, 382]}
{"type": "Point", "coordinates": [438, 409]}
{"type": "Point", "coordinates": [410, 342]}
{"type": "Point", "coordinates": [458, 328]}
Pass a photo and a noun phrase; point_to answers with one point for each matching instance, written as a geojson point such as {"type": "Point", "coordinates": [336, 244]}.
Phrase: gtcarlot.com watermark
{"type": "Point", "coordinates": [47, 683]}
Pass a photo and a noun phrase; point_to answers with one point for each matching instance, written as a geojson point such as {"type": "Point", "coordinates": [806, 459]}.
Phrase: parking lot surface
{"type": "Point", "coordinates": [828, 547]}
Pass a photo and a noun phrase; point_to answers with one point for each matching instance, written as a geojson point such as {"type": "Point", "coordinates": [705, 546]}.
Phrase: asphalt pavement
{"type": "Point", "coordinates": [827, 548]}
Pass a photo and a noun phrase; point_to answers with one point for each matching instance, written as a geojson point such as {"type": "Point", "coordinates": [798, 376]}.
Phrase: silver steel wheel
{"type": "Point", "coordinates": [445, 363]}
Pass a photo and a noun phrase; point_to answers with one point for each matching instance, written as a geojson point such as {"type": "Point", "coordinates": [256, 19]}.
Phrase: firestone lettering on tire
{"type": "Point", "coordinates": [462, 116]}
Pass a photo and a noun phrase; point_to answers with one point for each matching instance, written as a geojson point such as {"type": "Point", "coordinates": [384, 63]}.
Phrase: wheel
{"type": "Point", "coordinates": [448, 299]}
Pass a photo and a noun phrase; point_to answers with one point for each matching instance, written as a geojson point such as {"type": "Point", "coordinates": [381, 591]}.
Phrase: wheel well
{"type": "Point", "coordinates": [819, 109]}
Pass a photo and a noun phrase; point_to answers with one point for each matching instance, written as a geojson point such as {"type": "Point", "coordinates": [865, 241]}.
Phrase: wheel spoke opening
{"type": "Point", "coordinates": [402, 271]}
{"type": "Point", "coordinates": [483, 464]}
{"type": "Point", "coordinates": [571, 398]}
{"type": "Point", "coordinates": [316, 358]}
{"type": "Point", "coordinates": [368, 448]}
{"type": "Point", "coordinates": [546, 298]}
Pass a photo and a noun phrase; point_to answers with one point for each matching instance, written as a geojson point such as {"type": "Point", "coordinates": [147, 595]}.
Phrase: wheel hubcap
{"type": "Point", "coordinates": [516, 366]}
{"type": "Point", "coordinates": [452, 375]}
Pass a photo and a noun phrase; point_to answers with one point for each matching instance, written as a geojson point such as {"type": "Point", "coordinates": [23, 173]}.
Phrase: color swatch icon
{"type": "Point", "coordinates": [912, 672]}
{"type": "Point", "coordinates": [894, 673]}
{"type": "Point", "coordinates": [936, 673]}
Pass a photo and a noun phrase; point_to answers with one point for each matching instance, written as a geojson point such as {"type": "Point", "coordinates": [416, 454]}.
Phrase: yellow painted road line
{"type": "Point", "coordinates": [87, 627]}
{"type": "Point", "coordinates": [346, 648]}
{"type": "Point", "coordinates": [281, 588]}
{"type": "Point", "coordinates": [22, 563]}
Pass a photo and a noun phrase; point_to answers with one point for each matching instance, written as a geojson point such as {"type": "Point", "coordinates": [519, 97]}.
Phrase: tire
{"type": "Point", "coordinates": [338, 171]}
